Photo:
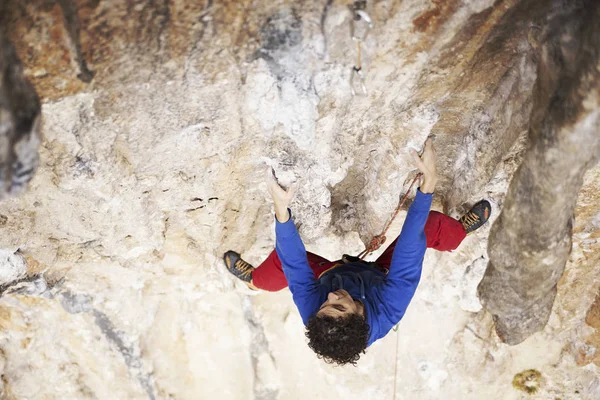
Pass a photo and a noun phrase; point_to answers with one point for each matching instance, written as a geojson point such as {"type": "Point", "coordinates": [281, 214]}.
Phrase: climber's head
{"type": "Point", "coordinates": [340, 304]}
{"type": "Point", "coordinates": [339, 332]}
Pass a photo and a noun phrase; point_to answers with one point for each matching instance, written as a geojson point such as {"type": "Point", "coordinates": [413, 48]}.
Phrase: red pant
{"type": "Point", "coordinates": [443, 233]}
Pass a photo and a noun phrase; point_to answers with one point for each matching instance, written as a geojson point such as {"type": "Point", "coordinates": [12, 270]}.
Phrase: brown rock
{"type": "Point", "coordinates": [530, 242]}
{"type": "Point", "coordinates": [592, 317]}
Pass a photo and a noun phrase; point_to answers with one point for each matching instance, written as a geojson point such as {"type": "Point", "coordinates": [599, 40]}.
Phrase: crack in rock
{"type": "Point", "coordinates": [73, 27]}
{"type": "Point", "coordinates": [35, 285]}
{"type": "Point", "coordinates": [259, 347]}
{"type": "Point", "coordinates": [82, 303]}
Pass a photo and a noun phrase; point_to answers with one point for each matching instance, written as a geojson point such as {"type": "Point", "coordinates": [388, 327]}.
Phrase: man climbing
{"type": "Point", "coordinates": [348, 304]}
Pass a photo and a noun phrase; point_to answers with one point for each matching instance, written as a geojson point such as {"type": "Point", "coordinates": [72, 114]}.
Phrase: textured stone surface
{"type": "Point", "coordinates": [152, 169]}
{"type": "Point", "coordinates": [531, 241]}
{"type": "Point", "coordinates": [19, 123]}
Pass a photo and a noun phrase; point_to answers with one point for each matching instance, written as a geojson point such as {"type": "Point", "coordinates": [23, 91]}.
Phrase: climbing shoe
{"type": "Point", "coordinates": [238, 267]}
{"type": "Point", "coordinates": [476, 217]}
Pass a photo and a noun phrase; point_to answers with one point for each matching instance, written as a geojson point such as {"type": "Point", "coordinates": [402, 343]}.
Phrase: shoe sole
{"type": "Point", "coordinates": [486, 216]}
{"type": "Point", "coordinates": [226, 260]}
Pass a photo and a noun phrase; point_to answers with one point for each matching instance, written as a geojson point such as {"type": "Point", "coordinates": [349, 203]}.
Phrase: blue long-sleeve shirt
{"type": "Point", "coordinates": [385, 298]}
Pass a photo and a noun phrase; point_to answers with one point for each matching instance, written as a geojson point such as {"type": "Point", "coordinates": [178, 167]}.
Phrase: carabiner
{"type": "Point", "coordinates": [360, 15]}
{"type": "Point", "coordinates": [358, 72]}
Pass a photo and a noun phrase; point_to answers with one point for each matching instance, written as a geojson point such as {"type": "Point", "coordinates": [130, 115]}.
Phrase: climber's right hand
{"type": "Point", "coordinates": [426, 164]}
{"type": "Point", "coordinates": [281, 197]}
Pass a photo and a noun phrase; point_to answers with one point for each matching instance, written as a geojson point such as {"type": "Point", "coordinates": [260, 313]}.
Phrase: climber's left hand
{"type": "Point", "coordinates": [281, 197]}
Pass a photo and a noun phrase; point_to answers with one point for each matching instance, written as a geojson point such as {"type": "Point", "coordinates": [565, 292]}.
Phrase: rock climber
{"type": "Point", "coordinates": [348, 304]}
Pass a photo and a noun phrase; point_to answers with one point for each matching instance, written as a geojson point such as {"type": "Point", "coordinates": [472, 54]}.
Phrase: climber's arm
{"type": "Point", "coordinates": [292, 254]}
{"type": "Point", "coordinates": [407, 260]}
{"type": "Point", "coordinates": [411, 244]}
{"type": "Point", "coordinates": [290, 249]}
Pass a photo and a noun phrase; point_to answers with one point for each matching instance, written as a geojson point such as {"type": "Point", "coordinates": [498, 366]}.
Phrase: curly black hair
{"type": "Point", "coordinates": [338, 340]}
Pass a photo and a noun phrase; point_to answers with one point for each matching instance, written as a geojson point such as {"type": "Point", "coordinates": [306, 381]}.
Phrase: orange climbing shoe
{"type": "Point", "coordinates": [239, 268]}
{"type": "Point", "coordinates": [476, 217]}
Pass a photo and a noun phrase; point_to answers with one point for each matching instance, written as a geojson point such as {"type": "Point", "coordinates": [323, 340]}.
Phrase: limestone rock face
{"type": "Point", "coordinates": [531, 241]}
{"type": "Point", "coordinates": [160, 118]}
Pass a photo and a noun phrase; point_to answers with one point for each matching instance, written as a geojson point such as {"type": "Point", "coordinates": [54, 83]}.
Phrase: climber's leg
{"type": "Point", "coordinates": [442, 232]}
{"type": "Point", "coordinates": [269, 275]}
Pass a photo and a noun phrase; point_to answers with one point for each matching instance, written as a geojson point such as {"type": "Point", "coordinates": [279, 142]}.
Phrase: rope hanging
{"type": "Point", "coordinates": [380, 239]}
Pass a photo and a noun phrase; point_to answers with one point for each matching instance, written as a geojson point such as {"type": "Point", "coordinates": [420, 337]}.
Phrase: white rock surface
{"type": "Point", "coordinates": [153, 171]}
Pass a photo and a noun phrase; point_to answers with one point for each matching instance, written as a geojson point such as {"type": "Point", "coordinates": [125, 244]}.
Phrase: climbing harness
{"type": "Point", "coordinates": [359, 13]}
{"type": "Point", "coordinates": [379, 240]}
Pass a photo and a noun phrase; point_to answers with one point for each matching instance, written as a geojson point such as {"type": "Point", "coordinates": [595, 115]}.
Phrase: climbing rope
{"type": "Point", "coordinates": [359, 13]}
{"type": "Point", "coordinates": [396, 363]}
{"type": "Point", "coordinates": [380, 239]}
